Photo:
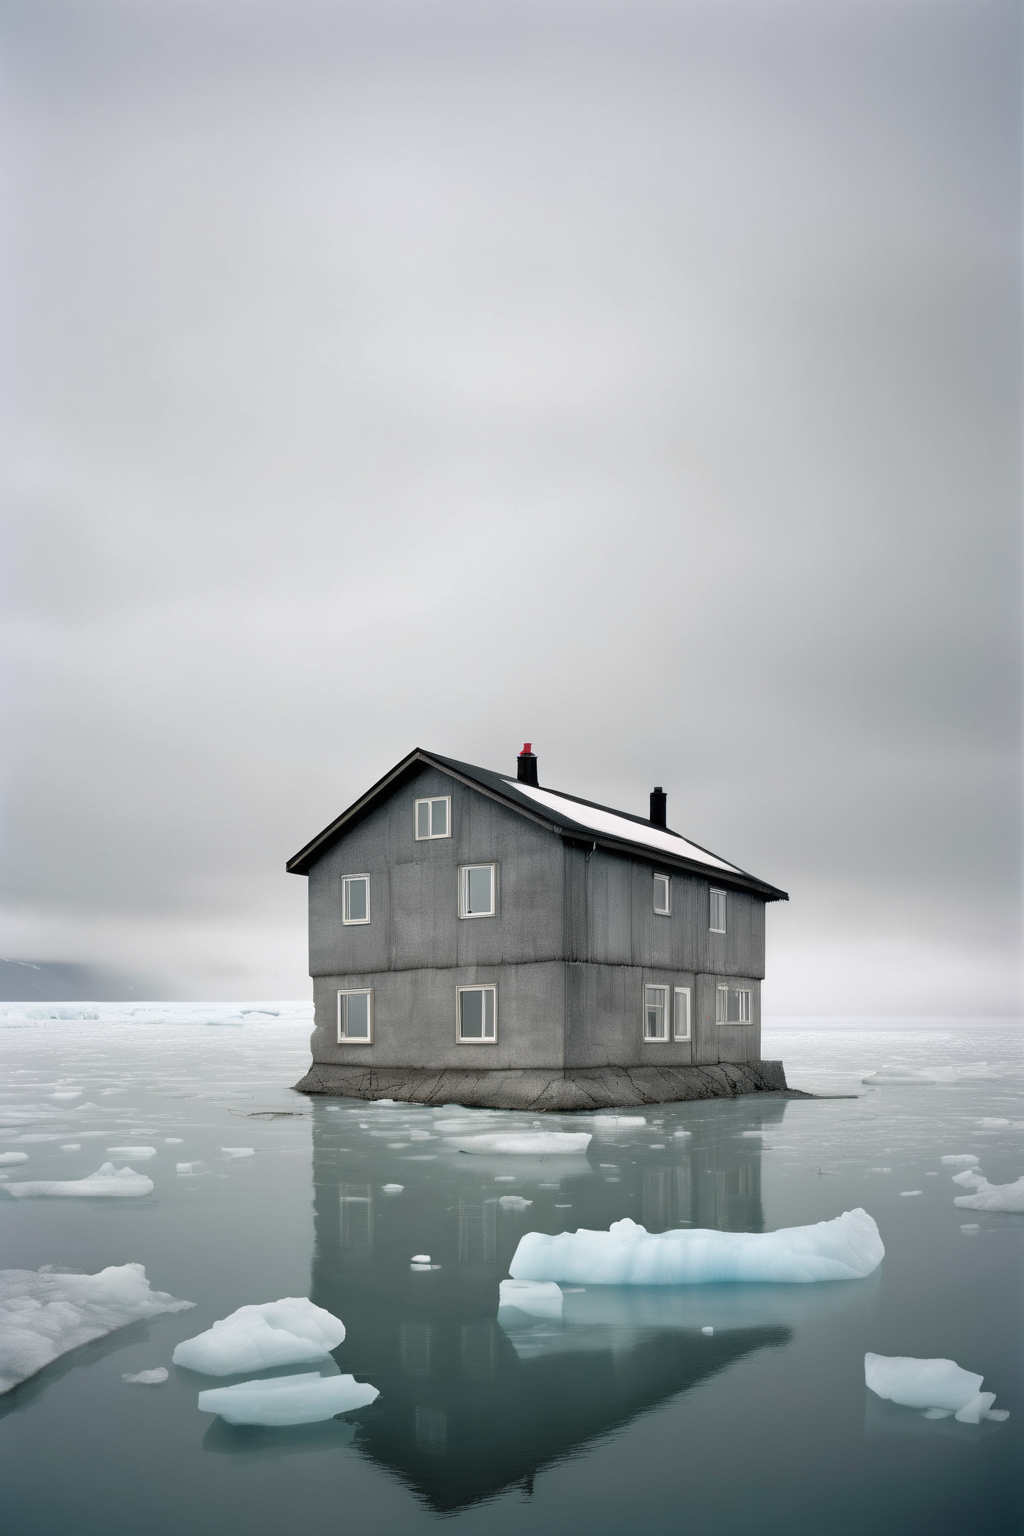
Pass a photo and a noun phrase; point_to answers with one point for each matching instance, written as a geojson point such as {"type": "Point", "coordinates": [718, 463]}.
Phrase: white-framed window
{"type": "Point", "coordinates": [476, 1015]}
{"type": "Point", "coordinates": [355, 1016]}
{"type": "Point", "coordinates": [681, 1013]}
{"type": "Point", "coordinates": [732, 1005]}
{"type": "Point", "coordinates": [662, 895]}
{"type": "Point", "coordinates": [717, 911]}
{"type": "Point", "coordinates": [355, 899]}
{"type": "Point", "coordinates": [478, 890]}
{"type": "Point", "coordinates": [655, 1013]}
{"type": "Point", "coordinates": [434, 817]}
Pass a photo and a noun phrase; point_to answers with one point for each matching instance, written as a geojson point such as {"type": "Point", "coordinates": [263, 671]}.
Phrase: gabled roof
{"type": "Point", "coordinates": [566, 815]}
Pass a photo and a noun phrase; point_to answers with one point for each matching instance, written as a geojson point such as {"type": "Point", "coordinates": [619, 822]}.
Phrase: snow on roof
{"type": "Point", "coordinates": [620, 826]}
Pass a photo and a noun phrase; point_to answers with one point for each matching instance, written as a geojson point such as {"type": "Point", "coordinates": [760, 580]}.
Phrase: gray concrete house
{"type": "Point", "coordinates": [476, 938]}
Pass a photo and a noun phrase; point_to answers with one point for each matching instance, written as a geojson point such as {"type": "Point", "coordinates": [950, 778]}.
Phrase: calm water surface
{"type": "Point", "coordinates": [625, 1414]}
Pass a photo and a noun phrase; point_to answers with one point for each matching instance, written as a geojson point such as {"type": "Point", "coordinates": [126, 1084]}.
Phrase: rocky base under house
{"type": "Point", "coordinates": [546, 1089]}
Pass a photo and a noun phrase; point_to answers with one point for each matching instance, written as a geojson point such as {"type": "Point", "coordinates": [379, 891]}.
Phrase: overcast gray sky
{"type": "Point", "coordinates": [637, 377]}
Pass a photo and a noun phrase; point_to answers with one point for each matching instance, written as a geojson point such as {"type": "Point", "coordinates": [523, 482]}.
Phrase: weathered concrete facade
{"type": "Point", "coordinates": [572, 945]}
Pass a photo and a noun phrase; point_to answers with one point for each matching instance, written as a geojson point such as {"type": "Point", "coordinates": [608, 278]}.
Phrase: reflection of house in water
{"type": "Point", "coordinates": [469, 1404]}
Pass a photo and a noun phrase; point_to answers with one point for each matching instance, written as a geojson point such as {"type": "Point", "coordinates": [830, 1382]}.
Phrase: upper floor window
{"type": "Point", "coordinates": [732, 1005]}
{"type": "Point", "coordinates": [477, 890]}
{"type": "Point", "coordinates": [355, 1017]}
{"type": "Point", "coordinates": [662, 895]}
{"type": "Point", "coordinates": [355, 899]}
{"type": "Point", "coordinates": [434, 817]}
{"type": "Point", "coordinates": [655, 1013]}
{"type": "Point", "coordinates": [717, 911]}
{"type": "Point", "coordinates": [477, 1015]}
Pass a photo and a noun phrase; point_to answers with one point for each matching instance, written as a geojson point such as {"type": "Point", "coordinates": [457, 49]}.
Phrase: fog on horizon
{"type": "Point", "coordinates": [639, 378]}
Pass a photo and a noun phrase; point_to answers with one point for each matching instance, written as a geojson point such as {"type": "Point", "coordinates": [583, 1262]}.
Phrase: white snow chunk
{"type": "Point", "coordinates": [960, 1160]}
{"type": "Point", "coordinates": [420, 1258]}
{"type": "Point", "coordinates": [921, 1383]}
{"type": "Point", "coordinates": [846, 1248]}
{"type": "Point", "coordinates": [970, 1179]}
{"type": "Point", "coordinates": [999, 1414]}
{"type": "Point", "coordinates": [992, 1197]}
{"type": "Point", "coordinates": [392, 1189]}
{"type": "Point", "coordinates": [523, 1142]}
{"type": "Point", "coordinates": [906, 1193]}
{"type": "Point", "coordinates": [617, 1120]}
{"type": "Point", "coordinates": [140, 1153]}
{"type": "Point", "coordinates": [538, 1298]}
{"type": "Point", "coordinates": [239, 1151]}
{"type": "Point", "coordinates": [291, 1331]}
{"type": "Point", "coordinates": [707, 1330]}
{"type": "Point", "coordinates": [969, 1226]}
{"type": "Point", "coordinates": [303, 1399]}
{"type": "Point", "coordinates": [682, 1133]}
{"type": "Point", "coordinates": [106, 1181]}
{"type": "Point", "coordinates": [13, 1157]}
{"type": "Point", "coordinates": [71, 1146]}
{"type": "Point", "coordinates": [44, 1314]}
{"type": "Point", "coordinates": [153, 1378]}
{"type": "Point", "coordinates": [898, 1075]}
{"type": "Point", "coordinates": [384, 1103]}
{"type": "Point", "coordinates": [513, 1202]}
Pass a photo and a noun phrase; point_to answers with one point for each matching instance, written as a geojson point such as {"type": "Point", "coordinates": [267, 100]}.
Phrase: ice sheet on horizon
{"type": "Point", "coordinates": [846, 1248]}
{"type": "Point", "coordinates": [44, 1314]}
{"type": "Point", "coordinates": [291, 1331]}
{"type": "Point", "coordinates": [303, 1399]}
{"type": "Point", "coordinates": [107, 1181]}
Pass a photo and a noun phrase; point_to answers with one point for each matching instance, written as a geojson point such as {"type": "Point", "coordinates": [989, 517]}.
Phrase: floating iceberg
{"type": "Point", "coordinates": [991, 1197]}
{"type": "Point", "coordinates": [107, 1180]}
{"type": "Point", "coordinates": [960, 1160]}
{"type": "Point", "coordinates": [154, 1378]}
{"type": "Point", "coordinates": [291, 1331]}
{"type": "Point", "coordinates": [538, 1298]}
{"type": "Point", "coordinates": [936, 1385]}
{"type": "Point", "coordinates": [303, 1399]}
{"type": "Point", "coordinates": [522, 1142]}
{"type": "Point", "coordinates": [847, 1248]}
{"type": "Point", "coordinates": [43, 1315]}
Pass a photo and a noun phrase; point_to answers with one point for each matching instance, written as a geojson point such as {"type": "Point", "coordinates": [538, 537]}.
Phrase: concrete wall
{"type": "Point", "coordinates": [604, 1019]}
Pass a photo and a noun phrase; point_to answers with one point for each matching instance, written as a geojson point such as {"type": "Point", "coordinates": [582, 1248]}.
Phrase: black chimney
{"type": "Point", "coordinates": [659, 807]}
{"type": "Point", "coordinates": [526, 766]}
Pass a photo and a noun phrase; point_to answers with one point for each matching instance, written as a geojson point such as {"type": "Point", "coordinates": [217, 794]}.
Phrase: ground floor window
{"type": "Point", "coordinates": [655, 1013]}
{"type": "Point", "coordinates": [477, 1015]}
{"type": "Point", "coordinates": [355, 1017]}
{"type": "Point", "coordinates": [733, 1005]}
{"type": "Point", "coordinates": [681, 1013]}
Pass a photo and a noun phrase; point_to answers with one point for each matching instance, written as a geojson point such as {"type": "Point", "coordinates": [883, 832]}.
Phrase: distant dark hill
{"type": "Point", "coordinates": [62, 981]}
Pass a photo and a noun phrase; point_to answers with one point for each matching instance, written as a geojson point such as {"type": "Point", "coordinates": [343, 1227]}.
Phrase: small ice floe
{"type": "Point", "coordinates": [173, 1141]}
{"type": "Point", "coordinates": [504, 1178]}
{"type": "Point", "coordinates": [993, 1123]}
{"type": "Point", "coordinates": [752, 1133]}
{"type": "Point", "coordinates": [66, 1094]}
{"type": "Point", "coordinates": [905, 1194]}
{"type": "Point", "coordinates": [334, 1109]}
{"type": "Point", "coordinates": [960, 1160]}
{"type": "Point", "coordinates": [513, 1202]}
{"type": "Point", "coordinates": [990, 1197]}
{"type": "Point", "coordinates": [71, 1146]}
{"type": "Point", "coordinates": [615, 1121]}
{"type": "Point", "coordinates": [190, 1170]}
{"type": "Point", "coordinates": [707, 1330]}
{"type": "Point", "coordinates": [538, 1298]}
{"type": "Point", "coordinates": [153, 1378]}
{"type": "Point", "coordinates": [384, 1103]}
{"type": "Point", "coordinates": [682, 1133]}
{"type": "Point", "coordinates": [522, 1142]}
{"type": "Point", "coordinates": [899, 1076]}
{"type": "Point", "coordinates": [549, 1186]}
{"type": "Point", "coordinates": [392, 1189]}
{"type": "Point", "coordinates": [44, 1314]}
{"type": "Point", "coordinates": [846, 1248]}
{"type": "Point", "coordinates": [969, 1226]}
{"type": "Point", "coordinates": [106, 1181]}
{"type": "Point", "coordinates": [420, 1258]}
{"type": "Point", "coordinates": [291, 1331]}
{"type": "Point", "coordinates": [303, 1399]}
{"type": "Point", "coordinates": [941, 1387]}
{"type": "Point", "coordinates": [880, 1170]}
{"type": "Point", "coordinates": [239, 1151]}
{"type": "Point", "coordinates": [13, 1157]}
{"type": "Point", "coordinates": [139, 1153]}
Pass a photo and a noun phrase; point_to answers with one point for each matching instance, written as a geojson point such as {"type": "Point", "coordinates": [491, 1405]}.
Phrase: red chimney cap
{"type": "Point", "coordinates": [526, 748]}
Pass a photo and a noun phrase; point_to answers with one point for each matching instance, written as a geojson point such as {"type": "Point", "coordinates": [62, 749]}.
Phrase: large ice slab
{"type": "Point", "coordinates": [106, 1181]}
{"type": "Point", "coordinates": [44, 1314]}
{"type": "Point", "coordinates": [991, 1197]}
{"type": "Point", "coordinates": [303, 1399]}
{"type": "Point", "coordinates": [847, 1248]}
{"type": "Point", "coordinates": [525, 1142]}
{"type": "Point", "coordinates": [935, 1385]}
{"type": "Point", "coordinates": [291, 1331]}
